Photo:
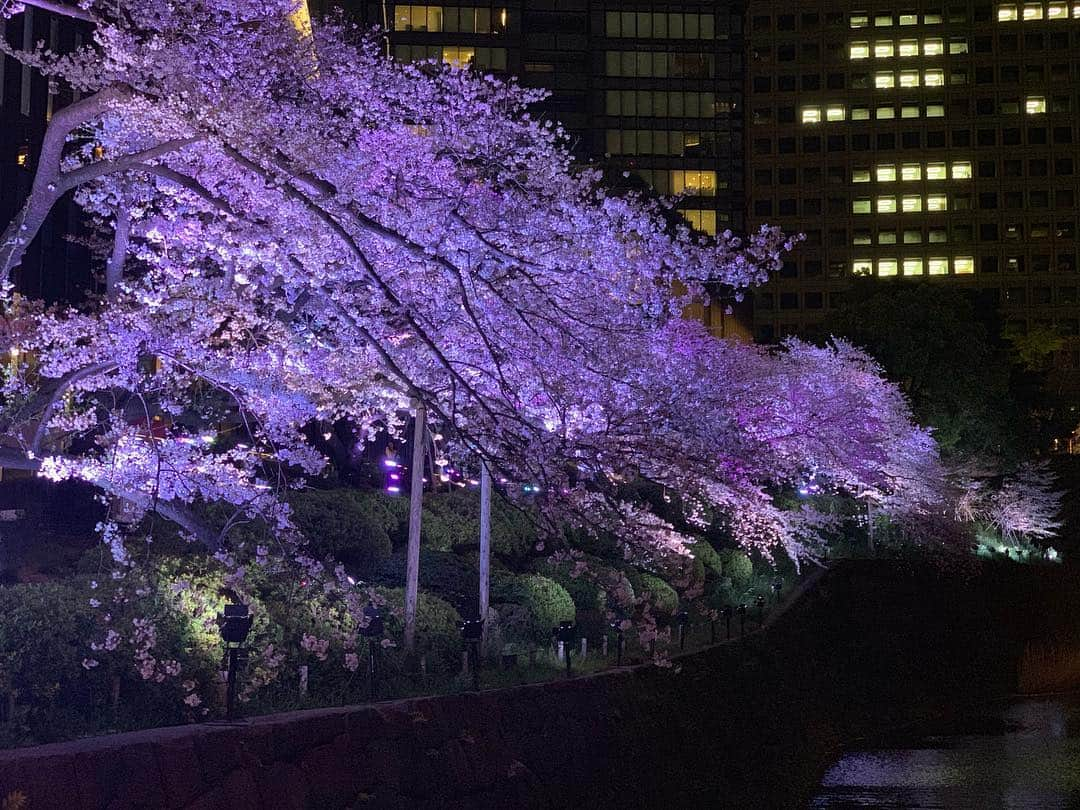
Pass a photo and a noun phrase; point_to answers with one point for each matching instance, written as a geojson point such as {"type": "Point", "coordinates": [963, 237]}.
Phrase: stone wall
{"type": "Point", "coordinates": [743, 725]}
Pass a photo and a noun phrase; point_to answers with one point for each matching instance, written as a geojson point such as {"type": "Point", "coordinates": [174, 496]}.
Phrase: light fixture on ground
{"type": "Point", "coordinates": [373, 632]}
{"type": "Point", "coordinates": [472, 631]}
{"type": "Point", "coordinates": [728, 612]}
{"type": "Point", "coordinates": [617, 626]}
{"type": "Point", "coordinates": [234, 624]}
{"type": "Point", "coordinates": [564, 633]}
{"type": "Point", "coordinates": [760, 602]}
{"type": "Point", "coordinates": [682, 619]}
{"type": "Point", "coordinates": [742, 619]}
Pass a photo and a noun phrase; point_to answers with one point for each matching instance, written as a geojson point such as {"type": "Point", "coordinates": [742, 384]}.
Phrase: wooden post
{"type": "Point", "coordinates": [416, 504]}
{"type": "Point", "coordinates": [485, 549]}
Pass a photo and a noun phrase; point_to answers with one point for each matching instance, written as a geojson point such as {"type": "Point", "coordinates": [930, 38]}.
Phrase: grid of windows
{"type": "Point", "coordinates": [452, 19]}
{"type": "Point", "coordinates": [664, 104]}
{"type": "Point", "coordinates": [655, 25]}
{"type": "Point", "coordinates": [660, 64]}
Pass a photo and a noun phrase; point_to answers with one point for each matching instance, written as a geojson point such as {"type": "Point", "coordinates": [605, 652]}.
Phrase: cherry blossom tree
{"type": "Point", "coordinates": [305, 231]}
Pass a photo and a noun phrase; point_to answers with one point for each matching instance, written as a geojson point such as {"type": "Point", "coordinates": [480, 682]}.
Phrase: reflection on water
{"type": "Point", "coordinates": [1023, 755]}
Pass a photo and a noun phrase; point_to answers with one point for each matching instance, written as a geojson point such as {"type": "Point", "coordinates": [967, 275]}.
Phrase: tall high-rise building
{"type": "Point", "coordinates": [54, 267]}
{"type": "Point", "coordinates": [923, 139]}
{"type": "Point", "coordinates": [649, 91]}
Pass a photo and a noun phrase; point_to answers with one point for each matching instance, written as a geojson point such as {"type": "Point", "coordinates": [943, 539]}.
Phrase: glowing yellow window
{"type": "Point", "coordinates": [860, 175]}
{"type": "Point", "coordinates": [886, 267]}
{"type": "Point", "coordinates": [1057, 11]}
{"type": "Point", "coordinates": [911, 203]}
{"type": "Point", "coordinates": [862, 267]}
{"type": "Point", "coordinates": [1007, 13]}
{"type": "Point", "coordinates": [937, 266]}
{"type": "Point", "coordinates": [935, 78]}
{"type": "Point", "coordinates": [913, 237]}
{"type": "Point", "coordinates": [884, 80]}
{"type": "Point", "coordinates": [963, 265]}
{"type": "Point", "coordinates": [958, 46]}
{"type": "Point", "coordinates": [911, 171]}
{"type": "Point", "coordinates": [859, 19]}
{"type": "Point", "coordinates": [811, 115]}
{"type": "Point", "coordinates": [936, 171]}
{"type": "Point", "coordinates": [932, 18]}
{"type": "Point", "coordinates": [886, 205]}
{"type": "Point", "coordinates": [860, 50]}
{"type": "Point", "coordinates": [1034, 105]}
{"type": "Point", "coordinates": [883, 113]}
{"type": "Point", "coordinates": [457, 55]}
{"type": "Point", "coordinates": [860, 113]}
{"type": "Point", "coordinates": [701, 183]}
{"type": "Point", "coordinates": [961, 170]}
{"type": "Point", "coordinates": [834, 112]}
{"type": "Point", "coordinates": [702, 220]}
{"type": "Point", "coordinates": [1076, 11]}
{"type": "Point", "coordinates": [933, 47]}
{"type": "Point", "coordinates": [886, 237]}
{"type": "Point", "coordinates": [935, 110]}
{"type": "Point", "coordinates": [909, 47]}
{"type": "Point", "coordinates": [1033, 11]}
{"type": "Point", "coordinates": [909, 78]}
{"type": "Point", "coordinates": [883, 48]}
{"type": "Point", "coordinates": [860, 205]}
{"type": "Point", "coordinates": [909, 111]}
{"type": "Point", "coordinates": [882, 20]}
{"type": "Point", "coordinates": [909, 19]}
{"type": "Point", "coordinates": [913, 267]}
{"type": "Point", "coordinates": [937, 202]}
{"type": "Point", "coordinates": [886, 173]}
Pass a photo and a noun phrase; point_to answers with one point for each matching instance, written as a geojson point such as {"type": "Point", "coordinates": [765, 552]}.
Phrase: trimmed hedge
{"type": "Point", "coordinates": [437, 626]}
{"type": "Point", "coordinates": [737, 567]}
{"type": "Point", "coordinates": [444, 574]}
{"type": "Point", "coordinates": [354, 527]}
{"type": "Point", "coordinates": [452, 520]}
{"type": "Point", "coordinates": [545, 603]}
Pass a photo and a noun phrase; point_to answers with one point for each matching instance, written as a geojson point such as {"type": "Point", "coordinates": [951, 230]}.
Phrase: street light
{"type": "Point", "coordinates": [234, 625]}
{"type": "Point", "coordinates": [472, 631]}
{"type": "Point", "coordinates": [564, 633]}
{"type": "Point", "coordinates": [372, 631]}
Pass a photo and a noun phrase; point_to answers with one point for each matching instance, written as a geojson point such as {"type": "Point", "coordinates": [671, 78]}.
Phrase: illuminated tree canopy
{"type": "Point", "coordinates": [305, 231]}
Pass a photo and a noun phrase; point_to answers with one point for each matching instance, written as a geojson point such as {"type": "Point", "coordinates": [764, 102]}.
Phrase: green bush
{"type": "Point", "coordinates": [737, 567]}
{"type": "Point", "coordinates": [452, 520]}
{"type": "Point", "coordinates": [710, 559]}
{"type": "Point", "coordinates": [438, 633]}
{"type": "Point", "coordinates": [353, 527]}
{"type": "Point", "coordinates": [662, 596]}
{"type": "Point", "coordinates": [449, 576]}
{"type": "Point", "coordinates": [546, 603]}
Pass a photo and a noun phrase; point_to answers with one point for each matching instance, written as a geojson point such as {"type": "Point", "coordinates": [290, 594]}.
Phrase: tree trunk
{"type": "Point", "coordinates": [485, 547]}
{"type": "Point", "coordinates": [416, 503]}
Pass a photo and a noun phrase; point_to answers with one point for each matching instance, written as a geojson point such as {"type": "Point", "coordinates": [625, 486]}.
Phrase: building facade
{"type": "Point", "coordinates": [923, 140]}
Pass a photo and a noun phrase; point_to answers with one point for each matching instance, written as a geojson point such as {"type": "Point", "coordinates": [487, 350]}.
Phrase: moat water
{"type": "Point", "coordinates": [1022, 754]}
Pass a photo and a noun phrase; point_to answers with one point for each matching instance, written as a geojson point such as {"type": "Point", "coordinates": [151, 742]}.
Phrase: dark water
{"type": "Point", "coordinates": [1020, 755]}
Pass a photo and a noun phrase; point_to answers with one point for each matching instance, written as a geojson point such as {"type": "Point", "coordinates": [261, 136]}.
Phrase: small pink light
{"type": "Point", "coordinates": [393, 489]}
{"type": "Point", "coordinates": [395, 477]}
{"type": "Point", "coordinates": [389, 462]}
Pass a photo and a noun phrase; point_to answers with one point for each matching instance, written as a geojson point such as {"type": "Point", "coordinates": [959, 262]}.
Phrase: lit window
{"type": "Point", "coordinates": [963, 265]}
{"type": "Point", "coordinates": [911, 203]}
{"type": "Point", "coordinates": [909, 47]}
{"type": "Point", "coordinates": [937, 236]}
{"type": "Point", "coordinates": [958, 46]}
{"type": "Point", "coordinates": [860, 113]}
{"type": "Point", "coordinates": [811, 115]}
{"type": "Point", "coordinates": [886, 173]}
{"type": "Point", "coordinates": [22, 157]}
{"type": "Point", "coordinates": [860, 175]}
{"type": "Point", "coordinates": [860, 205]}
{"type": "Point", "coordinates": [862, 267]}
{"type": "Point", "coordinates": [885, 113]}
{"type": "Point", "coordinates": [1057, 11]}
{"type": "Point", "coordinates": [937, 267]}
{"type": "Point", "coordinates": [1033, 11]}
{"type": "Point", "coordinates": [909, 19]}
{"type": "Point", "coordinates": [1007, 13]}
{"type": "Point", "coordinates": [700, 183]}
{"type": "Point", "coordinates": [859, 19]}
{"type": "Point", "coordinates": [935, 110]}
{"type": "Point", "coordinates": [933, 47]}
{"type": "Point", "coordinates": [936, 202]}
{"type": "Point", "coordinates": [701, 220]}
{"type": "Point", "coordinates": [886, 238]}
{"type": "Point", "coordinates": [886, 267]}
{"type": "Point", "coordinates": [884, 80]}
{"type": "Point", "coordinates": [882, 20]}
{"type": "Point", "coordinates": [909, 111]}
{"type": "Point", "coordinates": [883, 49]}
{"type": "Point", "coordinates": [931, 18]}
{"type": "Point", "coordinates": [936, 171]}
{"type": "Point", "coordinates": [860, 50]}
{"type": "Point", "coordinates": [860, 237]}
{"type": "Point", "coordinates": [1076, 11]}
{"type": "Point", "coordinates": [886, 205]}
{"type": "Point", "coordinates": [458, 55]}
{"type": "Point", "coordinates": [911, 171]}
{"type": "Point", "coordinates": [912, 237]}
{"type": "Point", "coordinates": [961, 170]}
{"type": "Point", "coordinates": [913, 267]}
{"type": "Point", "coordinates": [1035, 105]}
{"type": "Point", "coordinates": [834, 112]}
{"type": "Point", "coordinates": [935, 78]}
{"type": "Point", "coordinates": [909, 78]}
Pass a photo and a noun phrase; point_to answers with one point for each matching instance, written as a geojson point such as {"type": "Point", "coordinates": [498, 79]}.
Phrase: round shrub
{"type": "Point", "coordinates": [351, 526]}
{"type": "Point", "coordinates": [545, 601]}
{"type": "Point", "coordinates": [737, 567]}
{"type": "Point", "coordinates": [710, 559]}
{"type": "Point", "coordinates": [662, 596]}
{"type": "Point", "coordinates": [437, 626]}
{"type": "Point", "coordinates": [446, 575]}
{"type": "Point", "coordinates": [452, 520]}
